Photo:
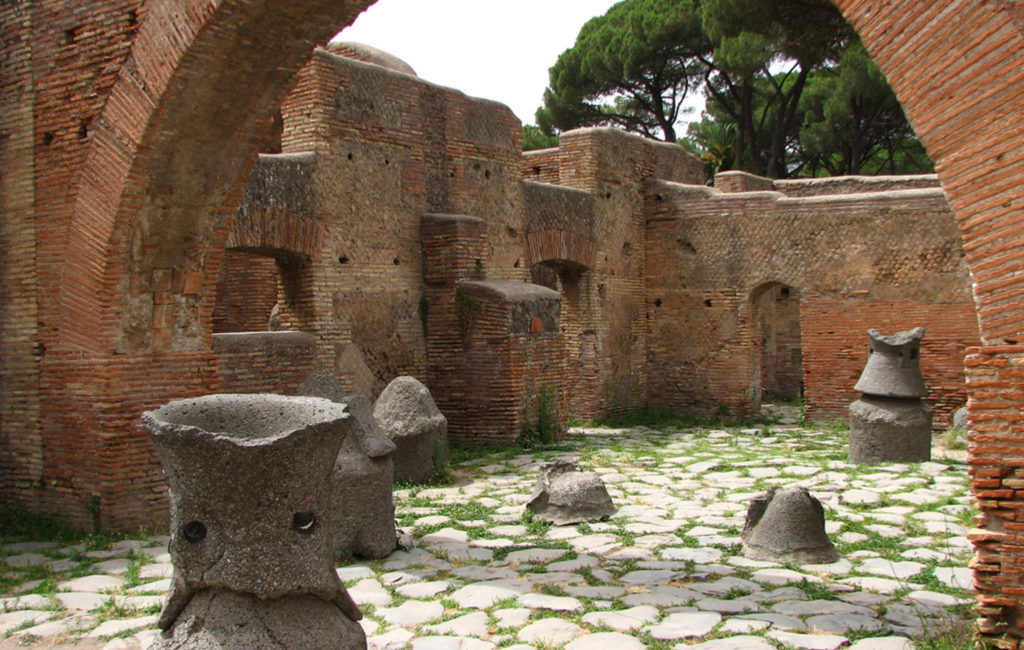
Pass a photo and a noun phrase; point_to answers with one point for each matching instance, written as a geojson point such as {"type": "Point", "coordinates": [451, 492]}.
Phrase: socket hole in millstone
{"type": "Point", "coordinates": [303, 522]}
{"type": "Point", "coordinates": [194, 531]}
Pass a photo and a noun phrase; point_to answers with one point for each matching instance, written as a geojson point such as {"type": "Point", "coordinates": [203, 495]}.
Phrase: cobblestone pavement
{"type": "Point", "coordinates": [665, 571]}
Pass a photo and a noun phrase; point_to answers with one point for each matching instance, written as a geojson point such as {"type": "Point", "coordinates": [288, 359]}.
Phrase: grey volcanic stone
{"type": "Point", "coordinates": [565, 495]}
{"type": "Point", "coordinates": [363, 483]}
{"type": "Point", "coordinates": [893, 368]}
{"type": "Point", "coordinates": [960, 418]}
{"type": "Point", "coordinates": [410, 418]}
{"type": "Point", "coordinates": [259, 554]}
{"type": "Point", "coordinates": [216, 619]}
{"type": "Point", "coordinates": [890, 430]}
{"type": "Point", "coordinates": [787, 525]}
{"type": "Point", "coordinates": [322, 384]}
{"type": "Point", "coordinates": [363, 476]}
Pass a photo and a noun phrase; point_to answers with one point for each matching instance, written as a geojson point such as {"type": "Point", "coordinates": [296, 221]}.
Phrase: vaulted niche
{"type": "Point", "coordinates": [578, 322]}
{"type": "Point", "coordinates": [262, 290]}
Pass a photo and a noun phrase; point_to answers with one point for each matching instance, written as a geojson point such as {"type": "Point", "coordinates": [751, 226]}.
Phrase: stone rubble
{"type": "Point", "coordinates": [667, 566]}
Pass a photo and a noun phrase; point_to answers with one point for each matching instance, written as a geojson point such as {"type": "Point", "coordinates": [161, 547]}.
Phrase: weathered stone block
{"type": "Point", "coordinates": [565, 495]}
{"type": "Point", "coordinates": [890, 430]}
{"type": "Point", "coordinates": [787, 525]}
{"type": "Point", "coordinates": [410, 418]}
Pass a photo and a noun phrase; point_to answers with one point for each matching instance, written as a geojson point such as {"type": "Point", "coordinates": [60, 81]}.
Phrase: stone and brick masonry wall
{"type": "Point", "coordinates": [885, 260]}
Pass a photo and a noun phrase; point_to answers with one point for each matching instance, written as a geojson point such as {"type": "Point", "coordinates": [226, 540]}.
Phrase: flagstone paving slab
{"type": "Point", "coordinates": [475, 573]}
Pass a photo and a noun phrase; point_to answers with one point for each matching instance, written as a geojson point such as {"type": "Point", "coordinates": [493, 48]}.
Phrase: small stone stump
{"type": "Point", "coordinates": [787, 525]}
{"type": "Point", "coordinates": [251, 523]}
{"type": "Point", "coordinates": [408, 415]}
{"type": "Point", "coordinates": [890, 423]}
{"type": "Point", "coordinates": [566, 495]}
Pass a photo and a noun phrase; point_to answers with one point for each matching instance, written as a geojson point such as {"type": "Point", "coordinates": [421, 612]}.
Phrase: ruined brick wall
{"type": "Point", "coordinates": [890, 260]}
{"type": "Point", "coordinates": [389, 148]}
{"type": "Point", "coordinates": [609, 353]}
{"type": "Point", "coordinates": [540, 165]}
{"type": "Point", "coordinates": [512, 360]}
{"type": "Point", "coordinates": [264, 362]}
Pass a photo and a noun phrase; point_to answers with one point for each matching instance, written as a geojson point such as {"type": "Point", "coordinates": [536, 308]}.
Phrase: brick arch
{"type": "Point", "coordinates": [170, 152]}
{"type": "Point", "coordinates": [957, 67]}
{"type": "Point", "coordinates": [964, 99]}
{"type": "Point", "coordinates": [563, 245]}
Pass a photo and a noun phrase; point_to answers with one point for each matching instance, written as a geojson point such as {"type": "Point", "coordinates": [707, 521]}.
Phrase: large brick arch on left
{"type": "Point", "coordinates": [138, 123]}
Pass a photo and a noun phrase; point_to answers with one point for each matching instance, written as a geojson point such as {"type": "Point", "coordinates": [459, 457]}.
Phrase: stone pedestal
{"type": "Point", "coordinates": [251, 523]}
{"type": "Point", "coordinates": [890, 430]}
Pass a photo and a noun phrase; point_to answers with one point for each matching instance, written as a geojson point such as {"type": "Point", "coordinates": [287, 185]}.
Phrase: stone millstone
{"type": "Point", "coordinates": [252, 521]}
{"type": "Point", "coordinates": [893, 368]}
{"type": "Point", "coordinates": [410, 418]}
{"type": "Point", "coordinates": [363, 476]}
{"type": "Point", "coordinates": [364, 483]}
{"type": "Point", "coordinates": [890, 430]}
{"type": "Point", "coordinates": [787, 525]}
{"type": "Point", "coordinates": [226, 620]}
{"type": "Point", "coordinates": [565, 495]}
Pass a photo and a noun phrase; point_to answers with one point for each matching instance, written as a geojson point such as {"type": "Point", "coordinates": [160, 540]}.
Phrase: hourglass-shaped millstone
{"type": "Point", "coordinates": [251, 522]}
{"type": "Point", "coordinates": [890, 423]}
{"type": "Point", "coordinates": [893, 368]}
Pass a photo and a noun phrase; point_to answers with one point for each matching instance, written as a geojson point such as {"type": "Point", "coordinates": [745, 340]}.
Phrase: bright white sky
{"type": "Point", "coordinates": [495, 50]}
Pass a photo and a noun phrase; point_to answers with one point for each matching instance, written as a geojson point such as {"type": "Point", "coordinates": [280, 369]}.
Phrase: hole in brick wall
{"type": "Point", "coordinates": [83, 130]}
{"type": "Point", "coordinates": [133, 18]}
{"type": "Point", "coordinates": [658, 197]}
{"type": "Point", "coordinates": [451, 174]}
{"type": "Point", "coordinates": [342, 259]}
{"type": "Point", "coordinates": [516, 265]}
{"type": "Point", "coordinates": [657, 302]}
{"type": "Point", "coordinates": [47, 138]}
{"type": "Point", "coordinates": [607, 195]}
{"type": "Point", "coordinates": [784, 292]}
{"type": "Point", "coordinates": [69, 35]}
{"type": "Point", "coordinates": [707, 303]}
{"type": "Point", "coordinates": [487, 173]}
{"type": "Point", "coordinates": [536, 171]}
{"type": "Point", "coordinates": [395, 261]}
{"type": "Point", "coordinates": [387, 161]}
{"type": "Point", "coordinates": [350, 156]}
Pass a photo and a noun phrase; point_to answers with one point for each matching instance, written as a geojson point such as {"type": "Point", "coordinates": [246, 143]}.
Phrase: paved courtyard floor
{"type": "Point", "coordinates": [664, 572]}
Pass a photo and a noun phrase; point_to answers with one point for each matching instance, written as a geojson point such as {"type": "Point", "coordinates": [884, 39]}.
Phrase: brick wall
{"type": "Point", "coordinates": [885, 260]}
{"type": "Point", "coordinates": [246, 292]}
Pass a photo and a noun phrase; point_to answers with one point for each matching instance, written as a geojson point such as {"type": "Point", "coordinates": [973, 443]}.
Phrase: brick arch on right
{"type": "Point", "coordinates": [957, 67]}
